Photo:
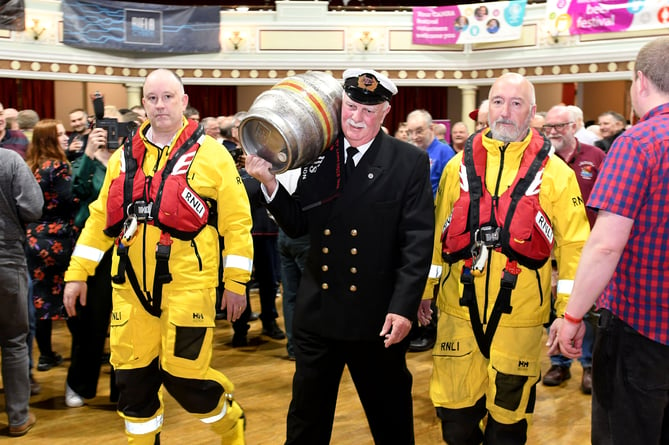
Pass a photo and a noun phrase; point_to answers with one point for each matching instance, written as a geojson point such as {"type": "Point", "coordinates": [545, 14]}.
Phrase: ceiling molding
{"type": "Point", "coordinates": [280, 43]}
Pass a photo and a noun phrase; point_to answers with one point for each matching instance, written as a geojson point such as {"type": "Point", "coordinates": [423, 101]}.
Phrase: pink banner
{"type": "Point", "coordinates": [435, 26]}
{"type": "Point", "coordinates": [597, 16]}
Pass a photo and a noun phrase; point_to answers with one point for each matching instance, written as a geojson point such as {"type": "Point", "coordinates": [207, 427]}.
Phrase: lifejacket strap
{"type": "Point", "coordinates": [162, 273]}
{"type": "Point", "coordinates": [147, 301]}
{"type": "Point", "coordinates": [468, 297]}
{"type": "Point", "coordinates": [502, 304]}
{"type": "Point", "coordinates": [122, 252]}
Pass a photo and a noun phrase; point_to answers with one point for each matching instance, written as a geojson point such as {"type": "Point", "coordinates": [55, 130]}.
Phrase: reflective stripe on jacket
{"type": "Point", "coordinates": [193, 264]}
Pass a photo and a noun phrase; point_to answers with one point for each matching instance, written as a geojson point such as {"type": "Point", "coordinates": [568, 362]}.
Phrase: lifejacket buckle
{"type": "Point", "coordinates": [488, 236]}
{"type": "Point", "coordinates": [466, 277]}
{"type": "Point", "coordinates": [163, 248]}
{"type": "Point", "coordinates": [510, 275]}
{"type": "Point", "coordinates": [141, 210]}
{"type": "Point", "coordinates": [163, 252]}
{"type": "Point", "coordinates": [508, 279]}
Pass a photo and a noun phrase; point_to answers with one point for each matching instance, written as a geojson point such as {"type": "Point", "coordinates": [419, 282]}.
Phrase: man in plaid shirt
{"type": "Point", "coordinates": [624, 268]}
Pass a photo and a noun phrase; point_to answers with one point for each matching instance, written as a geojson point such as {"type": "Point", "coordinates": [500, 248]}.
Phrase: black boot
{"type": "Point", "coordinates": [272, 330]}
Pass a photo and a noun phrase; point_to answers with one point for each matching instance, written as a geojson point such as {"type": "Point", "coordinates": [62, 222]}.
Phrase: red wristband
{"type": "Point", "coordinates": [571, 319]}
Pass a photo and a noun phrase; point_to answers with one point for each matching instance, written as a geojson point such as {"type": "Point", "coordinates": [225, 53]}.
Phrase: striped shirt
{"type": "Point", "coordinates": [16, 141]}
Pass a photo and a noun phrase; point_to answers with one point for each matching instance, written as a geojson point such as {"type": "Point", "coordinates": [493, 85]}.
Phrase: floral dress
{"type": "Point", "coordinates": [50, 239]}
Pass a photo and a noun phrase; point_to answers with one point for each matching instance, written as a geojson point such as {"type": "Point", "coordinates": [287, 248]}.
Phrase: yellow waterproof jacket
{"type": "Point", "coordinates": [559, 197]}
{"type": "Point", "coordinates": [193, 264]}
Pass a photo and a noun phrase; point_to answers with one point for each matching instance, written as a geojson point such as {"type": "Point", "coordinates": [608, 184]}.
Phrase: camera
{"type": "Point", "coordinates": [236, 153]}
{"type": "Point", "coordinates": [115, 129]}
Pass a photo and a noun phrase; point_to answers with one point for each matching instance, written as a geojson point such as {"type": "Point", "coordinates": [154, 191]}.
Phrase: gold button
{"type": "Point", "coordinates": [324, 286]}
{"type": "Point", "coordinates": [324, 267]}
{"type": "Point", "coordinates": [354, 232]}
{"type": "Point", "coordinates": [325, 250]}
{"type": "Point", "coordinates": [327, 232]}
{"type": "Point", "coordinates": [353, 288]}
{"type": "Point", "coordinates": [354, 270]}
{"type": "Point", "coordinates": [354, 251]}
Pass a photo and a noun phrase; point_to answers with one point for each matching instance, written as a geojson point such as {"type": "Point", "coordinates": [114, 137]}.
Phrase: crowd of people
{"type": "Point", "coordinates": [533, 222]}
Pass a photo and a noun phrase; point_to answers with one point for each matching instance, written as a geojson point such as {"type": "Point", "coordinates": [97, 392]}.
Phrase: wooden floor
{"type": "Point", "coordinates": [262, 375]}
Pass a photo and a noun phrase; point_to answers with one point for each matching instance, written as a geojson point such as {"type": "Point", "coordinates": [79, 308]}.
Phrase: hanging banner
{"type": "Point", "coordinates": [13, 15]}
{"type": "Point", "coordinates": [127, 26]}
{"type": "Point", "coordinates": [475, 23]}
{"type": "Point", "coordinates": [596, 16]}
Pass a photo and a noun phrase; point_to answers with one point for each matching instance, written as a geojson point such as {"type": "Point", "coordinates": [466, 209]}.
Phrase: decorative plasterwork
{"type": "Point", "coordinates": [303, 35]}
{"type": "Point", "coordinates": [540, 73]}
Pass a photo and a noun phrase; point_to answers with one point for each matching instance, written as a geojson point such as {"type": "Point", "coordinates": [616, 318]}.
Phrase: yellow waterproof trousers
{"type": "Point", "coordinates": [461, 375]}
{"type": "Point", "coordinates": [173, 350]}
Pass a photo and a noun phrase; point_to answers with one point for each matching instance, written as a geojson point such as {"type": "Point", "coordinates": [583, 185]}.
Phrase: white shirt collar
{"type": "Point", "coordinates": [362, 149]}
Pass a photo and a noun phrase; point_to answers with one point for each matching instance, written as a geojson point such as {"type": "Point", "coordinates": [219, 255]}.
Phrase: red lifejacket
{"type": "Point", "coordinates": [168, 202]}
{"type": "Point", "coordinates": [514, 222]}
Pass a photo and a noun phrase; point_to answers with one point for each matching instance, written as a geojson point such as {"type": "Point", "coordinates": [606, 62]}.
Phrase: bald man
{"type": "Point", "coordinates": [440, 132]}
{"type": "Point", "coordinates": [11, 115]}
{"type": "Point", "coordinates": [492, 272]}
{"type": "Point", "coordinates": [165, 285]}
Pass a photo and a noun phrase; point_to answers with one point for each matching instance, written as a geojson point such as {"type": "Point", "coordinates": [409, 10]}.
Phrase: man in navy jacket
{"type": "Point", "coordinates": [371, 232]}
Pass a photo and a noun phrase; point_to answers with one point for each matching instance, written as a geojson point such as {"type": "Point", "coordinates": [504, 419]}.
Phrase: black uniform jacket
{"type": "Point", "coordinates": [371, 238]}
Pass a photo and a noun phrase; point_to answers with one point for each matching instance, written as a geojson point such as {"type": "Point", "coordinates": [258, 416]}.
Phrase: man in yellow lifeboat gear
{"type": "Point", "coordinates": [172, 346]}
{"type": "Point", "coordinates": [466, 383]}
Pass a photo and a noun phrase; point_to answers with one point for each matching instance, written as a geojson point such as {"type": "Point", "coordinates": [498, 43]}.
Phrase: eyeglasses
{"type": "Point", "coordinates": [559, 127]}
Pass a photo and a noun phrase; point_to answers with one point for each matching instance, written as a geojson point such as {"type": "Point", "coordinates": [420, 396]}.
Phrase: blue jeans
{"type": "Point", "coordinates": [588, 340]}
{"type": "Point", "coordinates": [13, 333]}
{"type": "Point", "coordinates": [293, 254]}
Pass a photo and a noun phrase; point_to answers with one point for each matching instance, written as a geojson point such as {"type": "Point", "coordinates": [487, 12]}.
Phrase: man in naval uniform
{"type": "Point", "coordinates": [366, 203]}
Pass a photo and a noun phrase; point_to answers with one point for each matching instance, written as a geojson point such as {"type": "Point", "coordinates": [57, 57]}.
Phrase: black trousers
{"type": "Point", "coordinates": [89, 332]}
{"type": "Point", "coordinates": [264, 260]}
{"type": "Point", "coordinates": [264, 253]}
{"type": "Point", "coordinates": [630, 386]}
{"type": "Point", "coordinates": [381, 378]}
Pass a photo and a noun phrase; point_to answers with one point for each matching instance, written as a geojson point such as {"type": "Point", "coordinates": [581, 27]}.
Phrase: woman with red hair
{"type": "Point", "coordinates": [49, 239]}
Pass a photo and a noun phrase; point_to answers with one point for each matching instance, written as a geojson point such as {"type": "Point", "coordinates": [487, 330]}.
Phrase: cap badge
{"type": "Point", "coordinates": [367, 82]}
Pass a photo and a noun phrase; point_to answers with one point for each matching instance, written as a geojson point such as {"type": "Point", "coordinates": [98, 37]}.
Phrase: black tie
{"type": "Point", "coordinates": [350, 164]}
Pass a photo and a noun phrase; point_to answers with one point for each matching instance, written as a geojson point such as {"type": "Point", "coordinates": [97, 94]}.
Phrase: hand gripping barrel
{"type": "Point", "coordinates": [292, 123]}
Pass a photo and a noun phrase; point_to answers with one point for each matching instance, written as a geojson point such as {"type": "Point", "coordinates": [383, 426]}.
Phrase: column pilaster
{"type": "Point", "coordinates": [468, 93]}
